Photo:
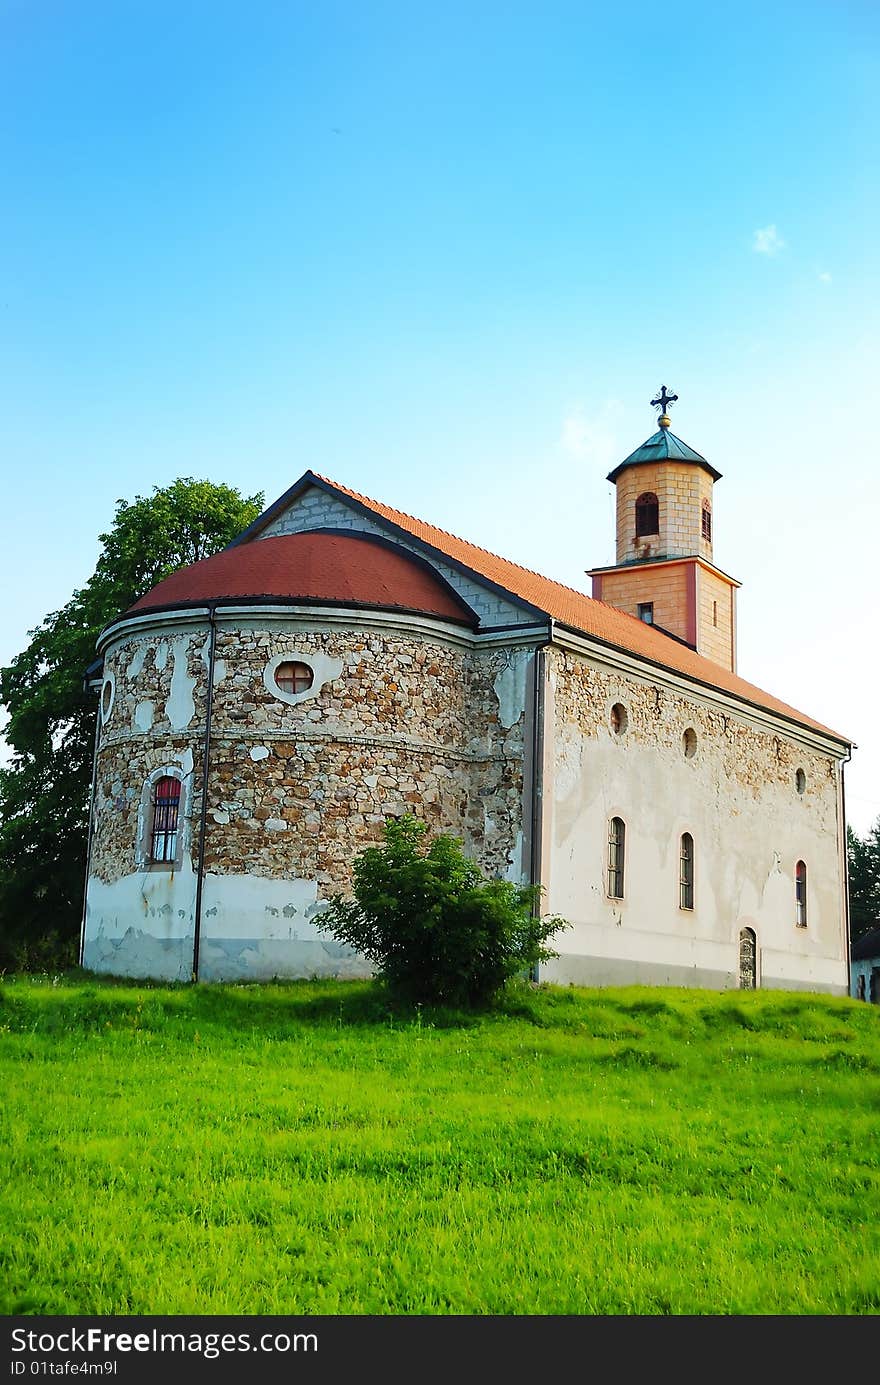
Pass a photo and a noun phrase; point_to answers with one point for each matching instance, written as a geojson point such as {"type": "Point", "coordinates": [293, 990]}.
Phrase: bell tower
{"type": "Point", "coordinates": [665, 573]}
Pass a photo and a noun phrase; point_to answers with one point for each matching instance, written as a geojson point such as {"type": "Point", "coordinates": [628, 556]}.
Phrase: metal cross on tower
{"type": "Point", "coordinates": [663, 400]}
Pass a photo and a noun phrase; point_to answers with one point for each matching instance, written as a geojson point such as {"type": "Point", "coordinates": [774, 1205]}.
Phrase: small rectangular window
{"type": "Point", "coordinates": [646, 612]}
{"type": "Point", "coordinates": [707, 524]}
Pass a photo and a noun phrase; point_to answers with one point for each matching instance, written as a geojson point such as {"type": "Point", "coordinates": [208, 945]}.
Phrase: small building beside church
{"type": "Point", "coordinates": [865, 966]}
{"type": "Point", "coordinates": [263, 711]}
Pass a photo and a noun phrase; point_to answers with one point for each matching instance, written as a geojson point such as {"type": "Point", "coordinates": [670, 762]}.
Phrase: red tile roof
{"type": "Point", "coordinates": [334, 568]}
{"type": "Point", "coordinates": [582, 613]}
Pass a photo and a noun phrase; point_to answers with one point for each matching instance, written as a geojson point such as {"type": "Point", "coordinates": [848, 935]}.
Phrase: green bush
{"type": "Point", "coordinates": [49, 950]}
{"type": "Point", "coordinates": [437, 932]}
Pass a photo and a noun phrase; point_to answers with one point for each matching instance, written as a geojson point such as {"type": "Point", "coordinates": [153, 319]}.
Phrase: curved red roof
{"type": "Point", "coordinates": [331, 569]}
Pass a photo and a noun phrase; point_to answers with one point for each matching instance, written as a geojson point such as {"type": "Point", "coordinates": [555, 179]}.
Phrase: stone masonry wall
{"type": "Point", "coordinates": [740, 753]}
{"type": "Point", "coordinates": [156, 719]}
{"type": "Point", "coordinates": [402, 723]}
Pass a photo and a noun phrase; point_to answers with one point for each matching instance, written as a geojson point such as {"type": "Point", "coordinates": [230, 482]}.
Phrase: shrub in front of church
{"type": "Point", "coordinates": [437, 932]}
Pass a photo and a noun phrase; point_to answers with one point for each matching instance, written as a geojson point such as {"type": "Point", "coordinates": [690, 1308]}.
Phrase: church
{"type": "Point", "coordinates": [262, 712]}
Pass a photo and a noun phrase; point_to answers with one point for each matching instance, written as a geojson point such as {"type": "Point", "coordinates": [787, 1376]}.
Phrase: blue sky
{"type": "Point", "coordinates": [446, 255]}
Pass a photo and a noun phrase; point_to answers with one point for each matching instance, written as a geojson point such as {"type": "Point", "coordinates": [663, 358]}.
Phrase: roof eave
{"type": "Point", "coordinates": [805, 725]}
{"type": "Point", "coordinates": [661, 461]}
{"type": "Point", "coordinates": [258, 599]}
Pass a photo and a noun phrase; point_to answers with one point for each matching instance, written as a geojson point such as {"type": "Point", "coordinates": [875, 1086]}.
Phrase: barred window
{"type": "Point", "coordinates": [166, 813]}
{"type": "Point", "coordinates": [800, 894]}
{"type": "Point", "coordinates": [616, 852]}
{"type": "Point", "coordinates": [647, 514]}
{"type": "Point", "coordinates": [707, 522]}
{"type": "Point", "coordinates": [294, 677]}
{"type": "Point", "coordinates": [686, 872]}
{"type": "Point", "coordinates": [748, 960]}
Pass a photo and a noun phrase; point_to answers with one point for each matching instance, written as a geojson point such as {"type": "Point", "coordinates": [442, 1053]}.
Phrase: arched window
{"type": "Point", "coordinates": [164, 822]}
{"type": "Point", "coordinates": [748, 960]}
{"type": "Point", "coordinates": [616, 852]}
{"type": "Point", "coordinates": [707, 521]}
{"type": "Point", "coordinates": [800, 894]}
{"type": "Point", "coordinates": [619, 719]}
{"type": "Point", "coordinates": [686, 872]}
{"type": "Point", "coordinates": [647, 514]}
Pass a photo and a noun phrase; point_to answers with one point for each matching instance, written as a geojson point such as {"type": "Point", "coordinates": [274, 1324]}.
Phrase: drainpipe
{"type": "Point", "coordinates": [90, 832]}
{"type": "Point", "coordinates": [845, 867]}
{"type": "Point", "coordinates": [203, 822]}
{"type": "Point", "coordinates": [537, 813]}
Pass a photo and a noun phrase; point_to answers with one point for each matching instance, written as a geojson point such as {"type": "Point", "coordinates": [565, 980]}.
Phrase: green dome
{"type": "Point", "coordinates": [664, 447]}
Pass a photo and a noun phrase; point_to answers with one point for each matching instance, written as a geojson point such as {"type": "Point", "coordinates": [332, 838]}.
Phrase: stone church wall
{"type": "Point", "coordinates": [403, 717]}
{"type": "Point", "coordinates": [680, 765]}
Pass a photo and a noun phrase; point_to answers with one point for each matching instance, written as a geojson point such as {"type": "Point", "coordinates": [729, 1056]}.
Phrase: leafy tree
{"type": "Point", "coordinates": [863, 861]}
{"type": "Point", "coordinates": [44, 791]}
{"type": "Point", "coordinates": [437, 932]}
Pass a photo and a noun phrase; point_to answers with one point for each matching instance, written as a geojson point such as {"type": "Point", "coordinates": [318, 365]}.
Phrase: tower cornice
{"type": "Point", "coordinates": [663, 446]}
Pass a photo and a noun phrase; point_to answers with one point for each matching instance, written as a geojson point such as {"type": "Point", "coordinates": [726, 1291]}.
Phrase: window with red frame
{"type": "Point", "coordinates": [166, 815]}
{"type": "Point", "coordinates": [800, 894]}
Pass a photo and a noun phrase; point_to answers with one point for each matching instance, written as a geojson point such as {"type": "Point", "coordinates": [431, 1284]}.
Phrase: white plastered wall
{"type": "Point", "coordinates": [749, 824]}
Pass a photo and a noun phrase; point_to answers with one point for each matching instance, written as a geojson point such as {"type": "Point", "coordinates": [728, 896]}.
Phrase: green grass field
{"type": "Point", "coordinates": [300, 1149]}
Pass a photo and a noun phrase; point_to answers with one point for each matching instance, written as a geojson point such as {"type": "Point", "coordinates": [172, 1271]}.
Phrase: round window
{"type": "Point", "coordinates": [293, 677]}
{"type": "Point", "coordinates": [619, 719]}
{"type": "Point", "coordinates": [108, 692]}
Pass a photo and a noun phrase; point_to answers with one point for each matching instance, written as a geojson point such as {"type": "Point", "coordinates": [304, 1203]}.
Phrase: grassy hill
{"type": "Point", "coordinates": [303, 1148]}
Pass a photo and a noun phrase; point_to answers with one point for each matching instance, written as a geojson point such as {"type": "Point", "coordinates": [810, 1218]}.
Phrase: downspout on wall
{"type": "Point", "coordinates": [536, 844]}
{"type": "Point", "coordinates": [203, 820]}
{"type": "Point", "coordinates": [845, 868]}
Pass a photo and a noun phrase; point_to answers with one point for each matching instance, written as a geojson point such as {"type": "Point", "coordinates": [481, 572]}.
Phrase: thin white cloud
{"type": "Point", "coordinates": [593, 438]}
{"type": "Point", "coordinates": [768, 241]}
{"type": "Point", "coordinates": [824, 277]}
